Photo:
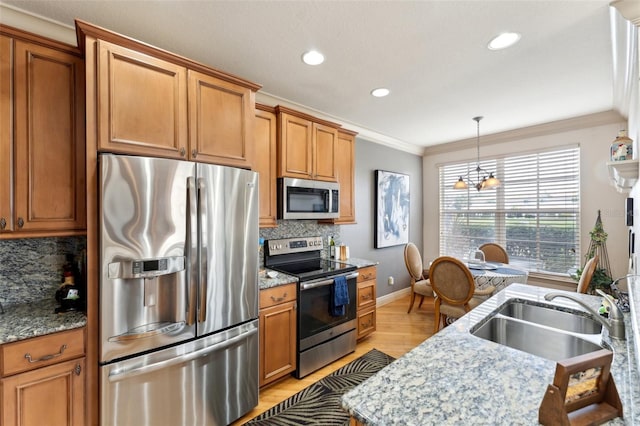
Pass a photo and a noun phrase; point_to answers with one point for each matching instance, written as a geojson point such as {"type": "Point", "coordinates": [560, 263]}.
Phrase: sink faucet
{"type": "Point", "coordinates": [615, 324]}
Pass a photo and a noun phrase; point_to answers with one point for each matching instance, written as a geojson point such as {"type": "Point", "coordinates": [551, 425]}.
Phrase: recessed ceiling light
{"type": "Point", "coordinates": [380, 92]}
{"type": "Point", "coordinates": [313, 57]}
{"type": "Point", "coordinates": [503, 41]}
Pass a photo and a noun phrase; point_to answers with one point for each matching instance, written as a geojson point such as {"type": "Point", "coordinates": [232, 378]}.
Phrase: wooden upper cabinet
{"type": "Point", "coordinates": [265, 163]}
{"type": "Point", "coordinates": [43, 161]}
{"type": "Point", "coordinates": [152, 102]}
{"type": "Point", "coordinates": [6, 134]}
{"type": "Point", "coordinates": [325, 145]}
{"type": "Point", "coordinates": [306, 146]}
{"type": "Point", "coordinates": [221, 116]}
{"type": "Point", "coordinates": [142, 103]}
{"type": "Point", "coordinates": [345, 167]}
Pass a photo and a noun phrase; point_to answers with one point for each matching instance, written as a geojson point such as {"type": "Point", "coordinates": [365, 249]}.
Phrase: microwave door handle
{"type": "Point", "coordinates": [203, 255]}
{"type": "Point", "coordinates": [192, 247]}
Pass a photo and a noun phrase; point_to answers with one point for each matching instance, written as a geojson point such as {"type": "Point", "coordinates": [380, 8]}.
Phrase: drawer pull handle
{"type": "Point", "coordinates": [46, 357]}
{"type": "Point", "coordinates": [279, 299]}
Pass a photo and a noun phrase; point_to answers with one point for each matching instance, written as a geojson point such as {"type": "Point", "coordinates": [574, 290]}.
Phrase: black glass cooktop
{"type": "Point", "coordinates": [313, 268]}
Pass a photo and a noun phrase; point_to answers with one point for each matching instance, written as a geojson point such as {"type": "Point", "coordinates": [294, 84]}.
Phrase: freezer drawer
{"type": "Point", "coordinates": [208, 381]}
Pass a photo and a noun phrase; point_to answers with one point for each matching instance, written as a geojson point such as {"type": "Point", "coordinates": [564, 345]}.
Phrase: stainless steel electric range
{"type": "Point", "coordinates": [322, 336]}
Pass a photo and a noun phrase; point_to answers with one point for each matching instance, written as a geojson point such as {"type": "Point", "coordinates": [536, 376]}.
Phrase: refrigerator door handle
{"type": "Point", "coordinates": [203, 255]}
{"type": "Point", "coordinates": [192, 246]}
{"type": "Point", "coordinates": [127, 374]}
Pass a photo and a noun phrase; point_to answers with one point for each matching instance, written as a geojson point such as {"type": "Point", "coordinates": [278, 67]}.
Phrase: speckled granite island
{"type": "Point", "coordinates": [38, 318]}
{"type": "Point", "coordinates": [455, 378]}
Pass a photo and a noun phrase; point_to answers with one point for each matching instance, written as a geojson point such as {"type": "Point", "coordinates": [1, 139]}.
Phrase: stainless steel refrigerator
{"type": "Point", "coordinates": [178, 292]}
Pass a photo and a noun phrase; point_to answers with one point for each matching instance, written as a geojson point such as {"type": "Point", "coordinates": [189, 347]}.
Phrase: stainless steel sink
{"type": "Point", "coordinates": [534, 339]}
{"type": "Point", "coordinates": [575, 322]}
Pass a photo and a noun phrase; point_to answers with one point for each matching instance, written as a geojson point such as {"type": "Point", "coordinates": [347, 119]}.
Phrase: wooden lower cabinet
{"type": "Point", "coordinates": [278, 307]}
{"type": "Point", "coordinates": [366, 304]}
{"type": "Point", "coordinates": [43, 380]}
{"type": "Point", "coordinates": [51, 395]}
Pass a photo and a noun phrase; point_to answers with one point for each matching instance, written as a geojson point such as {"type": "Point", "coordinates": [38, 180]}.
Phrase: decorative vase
{"type": "Point", "coordinates": [622, 147]}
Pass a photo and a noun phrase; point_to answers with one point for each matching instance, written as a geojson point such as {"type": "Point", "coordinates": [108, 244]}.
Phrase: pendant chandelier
{"type": "Point", "coordinates": [486, 182]}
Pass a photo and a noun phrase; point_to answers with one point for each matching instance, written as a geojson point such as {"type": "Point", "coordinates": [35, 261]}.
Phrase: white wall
{"type": "Point", "coordinates": [594, 134]}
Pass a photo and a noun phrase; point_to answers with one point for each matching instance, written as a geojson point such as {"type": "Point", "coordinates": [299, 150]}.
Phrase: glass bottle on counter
{"type": "Point", "coordinates": [332, 247]}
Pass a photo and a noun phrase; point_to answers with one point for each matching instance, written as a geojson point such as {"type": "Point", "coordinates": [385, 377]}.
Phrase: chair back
{"type": "Point", "coordinates": [413, 261]}
{"type": "Point", "coordinates": [451, 280]}
{"type": "Point", "coordinates": [587, 273]}
{"type": "Point", "coordinates": [494, 253]}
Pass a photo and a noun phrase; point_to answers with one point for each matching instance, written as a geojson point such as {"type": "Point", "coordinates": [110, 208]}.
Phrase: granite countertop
{"type": "Point", "coordinates": [455, 378]}
{"type": "Point", "coordinates": [265, 282]}
{"type": "Point", "coordinates": [38, 318]}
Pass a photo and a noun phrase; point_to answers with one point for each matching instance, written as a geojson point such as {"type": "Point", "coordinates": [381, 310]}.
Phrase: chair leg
{"type": "Point", "coordinates": [413, 298]}
{"type": "Point", "coordinates": [436, 317]}
{"type": "Point", "coordinates": [421, 300]}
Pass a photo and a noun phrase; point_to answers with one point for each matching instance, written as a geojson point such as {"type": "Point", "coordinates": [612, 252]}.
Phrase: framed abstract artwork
{"type": "Point", "coordinates": [392, 209]}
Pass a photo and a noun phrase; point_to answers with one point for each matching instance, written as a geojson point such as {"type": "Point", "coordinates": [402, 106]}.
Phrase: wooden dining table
{"type": "Point", "coordinates": [499, 275]}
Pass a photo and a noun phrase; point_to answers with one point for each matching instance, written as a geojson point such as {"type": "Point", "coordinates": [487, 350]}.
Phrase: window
{"type": "Point", "coordinates": [534, 214]}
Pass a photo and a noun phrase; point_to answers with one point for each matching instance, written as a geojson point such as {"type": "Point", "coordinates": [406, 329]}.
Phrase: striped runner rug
{"type": "Point", "coordinates": [319, 403]}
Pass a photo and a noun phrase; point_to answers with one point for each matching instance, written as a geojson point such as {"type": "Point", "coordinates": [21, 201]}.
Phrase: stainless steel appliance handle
{"type": "Point", "coordinates": [324, 281]}
{"type": "Point", "coordinates": [203, 273]}
{"type": "Point", "coordinates": [127, 374]}
{"type": "Point", "coordinates": [191, 248]}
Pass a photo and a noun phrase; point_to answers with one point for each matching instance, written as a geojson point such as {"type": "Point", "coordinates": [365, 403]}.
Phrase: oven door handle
{"type": "Point", "coordinates": [324, 281]}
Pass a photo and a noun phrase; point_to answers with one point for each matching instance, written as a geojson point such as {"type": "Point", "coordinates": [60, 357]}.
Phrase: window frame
{"type": "Point", "coordinates": [570, 212]}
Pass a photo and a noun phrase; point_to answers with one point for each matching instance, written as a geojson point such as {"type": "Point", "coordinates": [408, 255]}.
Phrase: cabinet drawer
{"type": "Point", "coordinates": [41, 351]}
{"type": "Point", "coordinates": [366, 294]}
{"type": "Point", "coordinates": [276, 295]}
{"type": "Point", "coordinates": [368, 273]}
{"type": "Point", "coordinates": [366, 322]}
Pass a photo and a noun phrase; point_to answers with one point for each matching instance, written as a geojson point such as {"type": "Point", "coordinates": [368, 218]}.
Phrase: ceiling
{"type": "Point", "coordinates": [431, 55]}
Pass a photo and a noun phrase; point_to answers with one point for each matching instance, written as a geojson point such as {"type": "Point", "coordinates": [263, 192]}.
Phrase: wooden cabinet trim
{"type": "Point", "coordinates": [265, 161]}
{"type": "Point", "coordinates": [84, 29]}
{"type": "Point", "coordinates": [282, 109]}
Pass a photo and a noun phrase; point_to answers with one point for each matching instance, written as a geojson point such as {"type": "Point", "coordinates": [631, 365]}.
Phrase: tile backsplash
{"type": "Point", "coordinates": [300, 228]}
{"type": "Point", "coordinates": [31, 268]}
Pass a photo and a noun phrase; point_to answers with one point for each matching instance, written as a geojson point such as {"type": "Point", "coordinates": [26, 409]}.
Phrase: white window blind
{"type": "Point", "coordinates": [534, 214]}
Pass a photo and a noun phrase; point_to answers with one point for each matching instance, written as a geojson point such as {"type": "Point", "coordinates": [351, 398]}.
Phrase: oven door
{"type": "Point", "coordinates": [315, 322]}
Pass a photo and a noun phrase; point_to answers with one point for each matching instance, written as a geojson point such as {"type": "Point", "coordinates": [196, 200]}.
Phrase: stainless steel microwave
{"type": "Point", "coordinates": [308, 199]}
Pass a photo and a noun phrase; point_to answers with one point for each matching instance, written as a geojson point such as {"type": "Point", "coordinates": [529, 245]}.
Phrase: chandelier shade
{"type": "Point", "coordinates": [487, 181]}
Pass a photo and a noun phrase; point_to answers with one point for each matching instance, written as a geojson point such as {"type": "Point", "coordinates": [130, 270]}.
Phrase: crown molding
{"type": "Point", "coordinates": [554, 127]}
{"type": "Point", "coordinates": [18, 18]}
{"type": "Point", "coordinates": [629, 9]}
{"type": "Point", "coordinates": [363, 132]}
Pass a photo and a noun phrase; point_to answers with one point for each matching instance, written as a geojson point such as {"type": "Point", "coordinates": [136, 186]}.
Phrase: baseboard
{"type": "Point", "coordinates": [391, 297]}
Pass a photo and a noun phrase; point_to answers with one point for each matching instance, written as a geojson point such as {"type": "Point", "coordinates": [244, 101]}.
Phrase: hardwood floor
{"type": "Point", "coordinates": [396, 334]}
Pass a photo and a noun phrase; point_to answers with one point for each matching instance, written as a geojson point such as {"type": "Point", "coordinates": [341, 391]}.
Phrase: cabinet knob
{"type": "Point", "coordinates": [183, 152]}
{"type": "Point", "coordinates": [194, 153]}
{"type": "Point", "coordinates": [20, 222]}
{"type": "Point", "coordinates": [77, 369]}
{"type": "Point", "coordinates": [3, 223]}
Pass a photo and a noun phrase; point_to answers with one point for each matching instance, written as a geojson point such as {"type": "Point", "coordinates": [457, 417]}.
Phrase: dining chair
{"type": "Point", "coordinates": [419, 283]}
{"type": "Point", "coordinates": [587, 273]}
{"type": "Point", "coordinates": [455, 289]}
{"type": "Point", "coordinates": [494, 252]}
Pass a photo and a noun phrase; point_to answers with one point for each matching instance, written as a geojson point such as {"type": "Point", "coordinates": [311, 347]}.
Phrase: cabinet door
{"type": "Point", "coordinates": [6, 134]}
{"type": "Point", "coordinates": [295, 139]}
{"type": "Point", "coordinates": [324, 149]}
{"type": "Point", "coordinates": [345, 166]}
{"type": "Point", "coordinates": [49, 139]}
{"type": "Point", "coordinates": [278, 342]}
{"type": "Point", "coordinates": [52, 395]}
{"type": "Point", "coordinates": [221, 116]}
{"type": "Point", "coordinates": [142, 103]}
{"type": "Point", "coordinates": [265, 165]}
